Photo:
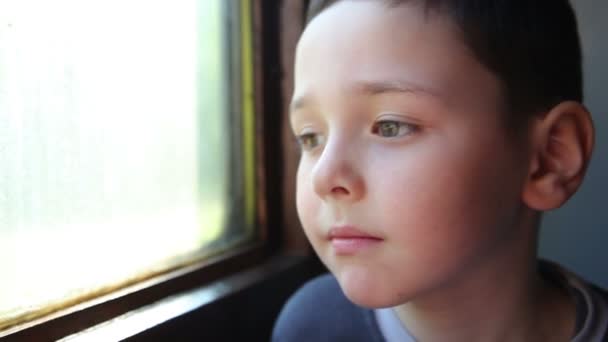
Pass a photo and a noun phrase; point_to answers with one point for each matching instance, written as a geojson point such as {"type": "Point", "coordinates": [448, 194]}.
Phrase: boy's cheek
{"type": "Point", "coordinates": [308, 206]}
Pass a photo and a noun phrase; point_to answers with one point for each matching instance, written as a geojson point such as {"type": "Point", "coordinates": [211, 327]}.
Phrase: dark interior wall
{"type": "Point", "coordinates": [577, 234]}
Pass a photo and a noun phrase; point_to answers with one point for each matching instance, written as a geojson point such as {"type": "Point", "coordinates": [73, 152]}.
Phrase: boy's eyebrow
{"type": "Point", "coordinates": [375, 88]}
{"type": "Point", "coordinates": [394, 86]}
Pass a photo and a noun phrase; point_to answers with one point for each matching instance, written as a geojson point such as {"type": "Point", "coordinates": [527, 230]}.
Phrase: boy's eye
{"type": "Point", "coordinates": [309, 141]}
{"type": "Point", "coordinates": [392, 129]}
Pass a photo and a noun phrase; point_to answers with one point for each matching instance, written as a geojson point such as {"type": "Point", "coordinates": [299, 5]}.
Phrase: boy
{"type": "Point", "coordinates": [434, 133]}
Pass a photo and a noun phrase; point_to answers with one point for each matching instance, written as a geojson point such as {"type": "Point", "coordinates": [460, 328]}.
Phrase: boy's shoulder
{"type": "Point", "coordinates": [591, 302]}
{"type": "Point", "coordinates": [319, 311]}
{"type": "Point", "coordinates": [592, 314]}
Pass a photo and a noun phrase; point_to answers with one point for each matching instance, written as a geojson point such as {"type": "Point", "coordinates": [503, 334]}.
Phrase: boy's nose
{"type": "Point", "coordinates": [336, 174]}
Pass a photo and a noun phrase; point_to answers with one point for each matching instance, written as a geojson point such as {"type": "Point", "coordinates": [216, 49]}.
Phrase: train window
{"type": "Point", "coordinates": [125, 144]}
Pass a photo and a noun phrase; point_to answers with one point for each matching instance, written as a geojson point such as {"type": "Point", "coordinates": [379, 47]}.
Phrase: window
{"type": "Point", "coordinates": [126, 144]}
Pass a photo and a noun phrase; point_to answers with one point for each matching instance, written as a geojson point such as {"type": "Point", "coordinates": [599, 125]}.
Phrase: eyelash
{"type": "Point", "coordinates": [399, 126]}
{"type": "Point", "coordinates": [309, 141]}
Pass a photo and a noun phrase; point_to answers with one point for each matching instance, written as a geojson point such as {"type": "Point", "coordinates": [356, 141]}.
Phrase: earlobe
{"type": "Point", "coordinates": [562, 142]}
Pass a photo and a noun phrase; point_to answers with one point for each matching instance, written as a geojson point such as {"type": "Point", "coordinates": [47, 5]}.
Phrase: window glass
{"type": "Point", "coordinates": [122, 152]}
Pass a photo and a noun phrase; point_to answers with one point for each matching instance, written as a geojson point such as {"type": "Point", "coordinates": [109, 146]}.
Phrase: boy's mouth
{"type": "Point", "coordinates": [348, 240]}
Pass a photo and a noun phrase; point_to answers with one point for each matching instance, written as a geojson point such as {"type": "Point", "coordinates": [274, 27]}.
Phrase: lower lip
{"type": "Point", "coordinates": [354, 245]}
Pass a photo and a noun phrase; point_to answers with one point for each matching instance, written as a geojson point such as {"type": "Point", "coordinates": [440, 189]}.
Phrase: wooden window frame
{"type": "Point", "coordinates": [276, 29]}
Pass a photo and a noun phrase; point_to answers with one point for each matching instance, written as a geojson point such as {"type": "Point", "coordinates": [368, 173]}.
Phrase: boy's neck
{"type": "Point", "coordinates": [502, 298]}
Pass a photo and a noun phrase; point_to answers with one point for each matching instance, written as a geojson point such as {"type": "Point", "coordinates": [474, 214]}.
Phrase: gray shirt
{"type": "Point", "coordinates": [591, 309]}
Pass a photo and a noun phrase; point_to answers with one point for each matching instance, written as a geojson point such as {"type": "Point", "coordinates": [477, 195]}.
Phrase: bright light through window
{"type": "Point", "coordinates": [113, 144]}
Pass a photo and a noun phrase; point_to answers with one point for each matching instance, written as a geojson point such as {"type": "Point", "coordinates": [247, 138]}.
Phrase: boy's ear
{"type": "Point", "coordinates": [562, 142]}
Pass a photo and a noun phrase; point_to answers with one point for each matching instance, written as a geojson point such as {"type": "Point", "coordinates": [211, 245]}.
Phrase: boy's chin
{"type": "Point", "coordinates": [368, 292]}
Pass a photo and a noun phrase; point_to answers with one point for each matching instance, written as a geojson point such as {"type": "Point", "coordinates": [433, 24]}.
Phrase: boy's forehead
{"type": "Point", "coordinates": [372, 16]}
{"type": "Point", "coordinates": [356, 45]}
{"type": "Point", "coordinates": [373, 36]}
{"type": "Point", "coordinates": [363, 46]}
{"type": "Point", "coordinates": [371, 87]}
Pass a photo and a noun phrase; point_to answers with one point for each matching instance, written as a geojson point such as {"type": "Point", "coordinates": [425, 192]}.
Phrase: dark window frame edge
{"type": "Point", "coordinates": [90, 313]}
{"type": "Point", "coordinates": [161, 314]}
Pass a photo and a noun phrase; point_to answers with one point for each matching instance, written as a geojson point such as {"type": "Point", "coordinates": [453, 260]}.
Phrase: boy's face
{"type": "Point", "coordinates": [403, 140]}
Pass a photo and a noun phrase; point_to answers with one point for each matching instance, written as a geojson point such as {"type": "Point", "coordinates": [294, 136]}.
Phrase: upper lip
{"type": "Point", "coordinates": [349, 232]}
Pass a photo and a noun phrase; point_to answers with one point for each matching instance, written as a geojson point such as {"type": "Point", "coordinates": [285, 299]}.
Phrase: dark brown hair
{"type": "Point", "coordinates": [532, 46]}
